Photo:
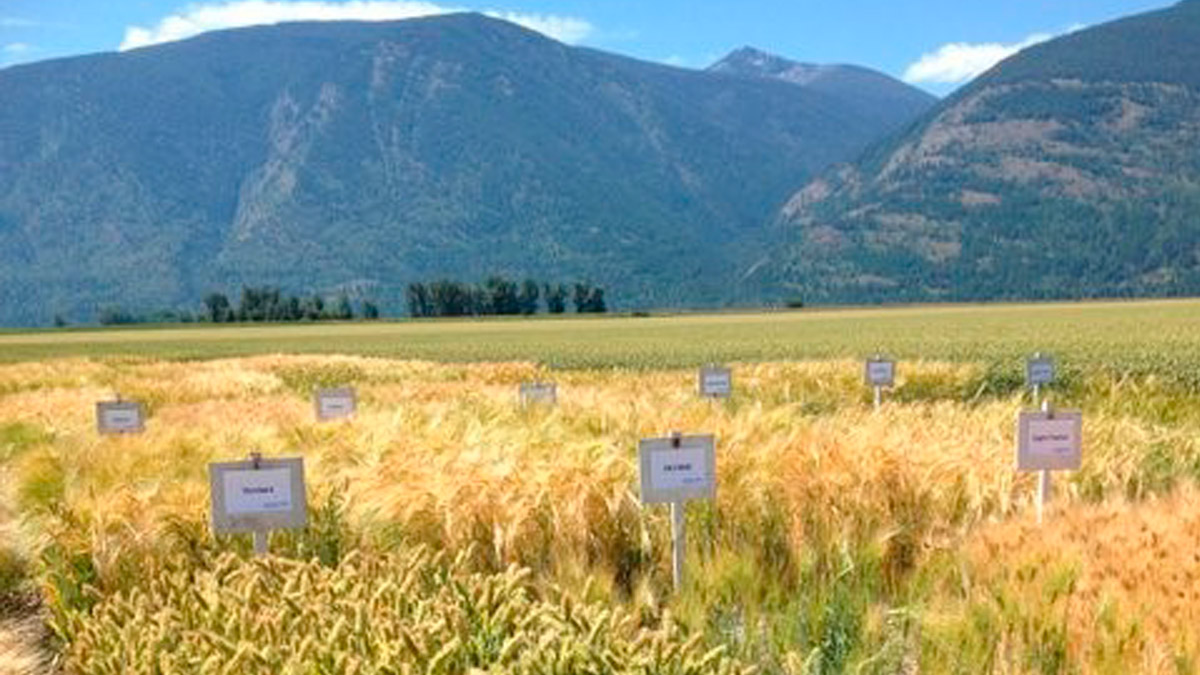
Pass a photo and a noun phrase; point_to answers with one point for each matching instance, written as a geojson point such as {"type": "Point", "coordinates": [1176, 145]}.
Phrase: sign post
{"type": "Point", "coordinates": [120, 417]}
{"type": "Point", "coordinates": [532, 393]}
{"type": "Point", "coordinates": [880, 372]}
{"type": "Point", "coordinates": [715, 381]}
{"type": "Point", "coordinates": [335, 403]}
{"type": "Point", "coordinates": [1039, 370]}
{"type": "Point", "coordinates": [674, 470]}
{"type": "Point", "coordinates": [1049, 440]}
{"type": "Point", "coordinates": [257, 496]}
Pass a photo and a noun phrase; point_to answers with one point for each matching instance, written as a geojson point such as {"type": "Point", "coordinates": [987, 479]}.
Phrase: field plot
{"type": "Point", "coordinates": [1141, 336]}
{"type": "Point", "coordinates": [451, 529]}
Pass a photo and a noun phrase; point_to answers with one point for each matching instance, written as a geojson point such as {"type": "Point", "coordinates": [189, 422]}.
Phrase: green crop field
{"type": "Point", "coordinates": [452, 531]}
{"type": "Point", "coordinates": [1160, 336]}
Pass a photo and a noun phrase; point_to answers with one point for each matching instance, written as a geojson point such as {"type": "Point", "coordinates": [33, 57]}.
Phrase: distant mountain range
{"type": "Point", "coordinates": [358, 157]}
{"type": "Point", "coordinates": [1072, 169]}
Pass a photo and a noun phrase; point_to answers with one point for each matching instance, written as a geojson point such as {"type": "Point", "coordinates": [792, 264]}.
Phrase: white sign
{"type": "Point", "coordinates": [246, 498]}
{"type": "Point", "coordinates": [120, 417]}
{"type": "Point", "coordinates": [716, 382]}
{"type": "Point", "coordinates": [678, 469]}
{"type": "Point", "coordinates": [1049, 441]}
{"type": "Point", "coordinates": [538, 392]}
{"type": "Point", "coordinates": [253, 492]}
{"type": "Point", "coordinates": [880, 372]}
{"type": "Point", "coordinates": [335, 403]}
{"type": "Point", "coordinates": [1039, 370]}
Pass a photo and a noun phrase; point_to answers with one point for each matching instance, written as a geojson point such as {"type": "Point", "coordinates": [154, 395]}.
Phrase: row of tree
{"type": "Point", "coordinates": [269, 304]}
{"type": "Point", "coordinates": [500, 296]}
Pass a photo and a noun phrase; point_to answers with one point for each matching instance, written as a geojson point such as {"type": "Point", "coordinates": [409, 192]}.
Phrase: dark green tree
{"type": "Point", "coordinates": [342, 309]}
{"type": "Point", "coordinates": [216, 307]}
{"type": "Point", "coordinates": [500, 297]}
{"type": "Point", "coordinates": [527, 299]}
{"type": "Point", "coordinates": [556, 298]}
{"type": "Point", "coordinates": [314, 308]}
{"type": "Point", "coordinates": [419, 300]}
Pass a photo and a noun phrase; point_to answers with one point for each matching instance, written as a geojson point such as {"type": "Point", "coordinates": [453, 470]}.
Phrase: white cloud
{"type": "Point", "coordinates": [201, 18]}
{"type": "Point", "coordinates": [675, 60]}
{"type": "Point", "coordinates": [958, 62]}
{"type": "Point", "coordinates": [17, 48]}
{"type": "Point", "coordinates": [13, 22]}
{"type": "Point", "coordinates": [562, 28]}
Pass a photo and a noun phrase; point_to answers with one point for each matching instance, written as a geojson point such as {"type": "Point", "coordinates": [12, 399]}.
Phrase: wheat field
{"type": "Point", "coordinates": [453, 531]}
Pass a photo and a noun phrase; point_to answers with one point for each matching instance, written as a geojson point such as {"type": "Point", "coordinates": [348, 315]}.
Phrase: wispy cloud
{"type": "Point", "coordinates": [14, 22]}
{"type": "Point", "coordinates": [198, 19]}
{"type": "Point", "coordinates": [959, 62]}
{"type": "Point", "coordinates": [16, 48]}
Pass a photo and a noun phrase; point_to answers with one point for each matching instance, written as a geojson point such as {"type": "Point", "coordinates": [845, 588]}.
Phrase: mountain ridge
{"type": "Point", "coordinates": [324, 156]}
{"type": "Point", "coordinates": [1064, 171]}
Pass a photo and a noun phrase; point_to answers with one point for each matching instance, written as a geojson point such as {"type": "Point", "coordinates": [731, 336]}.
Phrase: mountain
{"type": "Point", "coordinates": [1068, 170]}
{"type": "Point", "coordinates": [328, 157]}
{"type": "Point", "coordinates": [890, 99]}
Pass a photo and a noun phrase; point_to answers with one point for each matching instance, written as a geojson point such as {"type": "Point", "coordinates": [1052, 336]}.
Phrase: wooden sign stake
{"type": "Point", "coordinates": [678, 532]}
{"type": "Point", "coordinates": [260, 536]}
{"type": "Point", "coordinates": [1044, 485]}
{"type": "Point", "coordinates": [1037, 387]}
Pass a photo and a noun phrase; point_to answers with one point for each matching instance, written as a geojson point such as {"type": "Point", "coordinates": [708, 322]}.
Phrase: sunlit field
{"type": "Point", "coordinates": [451, 530]}
{"type": "Point", "coordinates": [1142, 336]}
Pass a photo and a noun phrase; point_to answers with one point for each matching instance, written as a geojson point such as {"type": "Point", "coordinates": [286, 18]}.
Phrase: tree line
{"type": "Point", "coordinates": [268, 303]}
{"type": "Point", "coordinates": [500, 296]}
{"type": "Point", "coordinates": [495, 296]}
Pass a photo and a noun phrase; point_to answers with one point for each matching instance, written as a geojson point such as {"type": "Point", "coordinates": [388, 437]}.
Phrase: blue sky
{"type": "Point", "coordinates": [935, 44]}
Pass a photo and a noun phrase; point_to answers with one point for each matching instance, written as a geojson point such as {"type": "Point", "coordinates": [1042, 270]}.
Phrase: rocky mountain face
{"type": "Point", "coordinates": [1069, 170]}
{"type": "Point", "coordinates": [358, 157]}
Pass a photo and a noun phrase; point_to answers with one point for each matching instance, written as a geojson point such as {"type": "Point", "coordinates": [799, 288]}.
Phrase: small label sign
{"type": "Point", "coordinates": [120, 417]}
{"type": "Point", "coordinates": [538, 392]}
{"type": "Point", "coordinates": [1051, 442]}
{"type": "Point", "coordinates": [246, 498]}
{"type": "Point", "coordinates": [716, 382]}
{"type": "Point", "coordinates": [677, 473]}
{"type": "Point", "coordinates": [1039, 370]}
{"type": "Point", "coordinates": [880, 372]}
{"type": "Point", "coordinates": [335, 403]}
{"type": "Point", "coordinates": [257, 492]}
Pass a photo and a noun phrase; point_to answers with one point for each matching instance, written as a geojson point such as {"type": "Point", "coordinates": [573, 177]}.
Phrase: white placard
{"type": "Point", "coordinates": [250, 499]}
{"type": "Point", "coordinates": [676, 470]}
{"type": "Point", "coordinates": [538, 392]}
{"type": "Point", "coordinates": [1039, 370]}
{"type": "Point", "coordinates": [880, 372]}
{"type": "Point", "coordinates": [335, 403]}
{"type": "Point", "coordinates": [1049, 441]}
{"type": "Point", "coordinates": [120, 417]}
{"type": "Point", "coordinates": [716, 381]}
{"type": "Point", "coordinates": [257, 492]}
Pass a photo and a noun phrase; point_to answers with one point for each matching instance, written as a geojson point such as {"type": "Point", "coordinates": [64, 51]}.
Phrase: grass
{"type": "Point", "coordinates": [842, 539]}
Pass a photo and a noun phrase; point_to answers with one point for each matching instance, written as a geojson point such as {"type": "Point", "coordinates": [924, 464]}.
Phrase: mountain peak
{"type": "Point", "coordinates": [753, 61]}
{"type": "Point", "coordinates": [871, 89]}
